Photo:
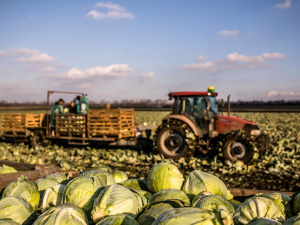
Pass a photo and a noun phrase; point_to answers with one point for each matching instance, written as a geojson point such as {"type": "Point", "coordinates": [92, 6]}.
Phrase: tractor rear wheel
{"type": "Point", "coordinates": [174, 139]}
{"type": "Point", "coordinates": [236, 149]}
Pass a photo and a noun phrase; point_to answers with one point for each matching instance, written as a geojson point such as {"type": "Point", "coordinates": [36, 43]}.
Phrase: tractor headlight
{"type": "Point", "coordinates": [255, 132]}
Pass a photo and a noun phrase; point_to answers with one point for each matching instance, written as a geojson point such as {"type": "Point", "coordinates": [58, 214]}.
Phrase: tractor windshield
{"type": "Point", "coordinates": [196, 106]}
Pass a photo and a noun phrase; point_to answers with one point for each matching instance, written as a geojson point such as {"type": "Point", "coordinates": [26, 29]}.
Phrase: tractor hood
{"type": "Point", "coordinates": [227, 124]}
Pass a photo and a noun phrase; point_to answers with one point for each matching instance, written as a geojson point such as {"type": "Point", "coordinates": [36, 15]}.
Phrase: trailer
{"type": "Point", "coordinates": [98, 126]}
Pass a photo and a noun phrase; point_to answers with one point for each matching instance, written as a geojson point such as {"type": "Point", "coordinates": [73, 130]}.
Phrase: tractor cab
{"type": "Point", "coordinates": [200, 107]}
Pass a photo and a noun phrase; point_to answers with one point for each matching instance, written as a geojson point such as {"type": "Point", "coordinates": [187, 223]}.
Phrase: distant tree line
{"type": "Point", "coordinates": [149, 103]}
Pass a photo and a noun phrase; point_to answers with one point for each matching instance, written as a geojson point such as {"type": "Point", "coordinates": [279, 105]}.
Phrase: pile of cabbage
{"type": "Point", "coordinates": [104, 197]}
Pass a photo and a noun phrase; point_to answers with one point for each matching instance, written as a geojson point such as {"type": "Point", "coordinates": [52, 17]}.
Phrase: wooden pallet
{"type": "Point", "coordinates": [110, 123]}
{"type": "Point", "coordinates": [32, 171]}
{"type": "Point", "coordinates": [70, 125]}
{"type": "Point", "coordinates": [16, 124]}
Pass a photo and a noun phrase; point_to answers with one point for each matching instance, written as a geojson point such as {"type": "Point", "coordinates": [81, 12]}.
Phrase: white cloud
{"type": "Point", "coordinates": [228, 32]}
{"type": "Point", "coordinates": [235, 61]}
{"type": "Point", "coordinates": [283, 94]}
{"type": "Point", "coordinates": [29, 55]}
{"type": "Point", "coordinates": [285, 4]}
{"type": "Point", "coordinates": [114, 70]}
{"type": "Point", "coordinates": [110, 11]}
{"type": "Point", "coordinates": [235, 57]}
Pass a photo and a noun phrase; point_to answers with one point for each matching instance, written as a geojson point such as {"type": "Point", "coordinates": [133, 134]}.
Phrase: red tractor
{"type": "Point", "coordinates": [195, 123]}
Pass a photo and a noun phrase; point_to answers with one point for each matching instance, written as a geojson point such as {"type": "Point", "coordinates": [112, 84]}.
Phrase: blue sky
{"type": "Point", "coordinates": [138, 49]}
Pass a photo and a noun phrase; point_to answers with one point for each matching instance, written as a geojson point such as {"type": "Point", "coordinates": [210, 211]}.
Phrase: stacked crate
{"type": "Point", "coordinates": [105, 123]}
{"type": "Point", "coordinates": [70, 125]}
{"type": "Point", "coordinates": [16, 124]}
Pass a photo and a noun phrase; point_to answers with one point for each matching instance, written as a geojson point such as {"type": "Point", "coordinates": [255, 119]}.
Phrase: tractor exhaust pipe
{"type": "Point", "coordinates": [228, 105]}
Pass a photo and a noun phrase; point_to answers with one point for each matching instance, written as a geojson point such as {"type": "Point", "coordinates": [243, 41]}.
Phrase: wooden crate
{"type": "Point", "coordinates": [70, 125]}
{"type": "Point", "coordinates": [16, 124]}
{"type": "Point", "coordinates": [110, 123]}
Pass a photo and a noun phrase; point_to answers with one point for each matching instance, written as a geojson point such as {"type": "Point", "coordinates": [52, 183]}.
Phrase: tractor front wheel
{"type": "Point", "coordinates": [237, 150]}
{"type": "Point", "coordinates": [174, 139]}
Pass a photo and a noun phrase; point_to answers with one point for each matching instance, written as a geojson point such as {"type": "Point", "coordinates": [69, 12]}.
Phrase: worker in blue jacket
{"type": "Point", "coordinates": [82, 106]}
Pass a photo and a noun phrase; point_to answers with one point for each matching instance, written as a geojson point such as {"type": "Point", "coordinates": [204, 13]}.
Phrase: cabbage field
{"type": "Point", "coordinates": [278, 169]}
{"type": "Point", "coordinates": [104, 196]}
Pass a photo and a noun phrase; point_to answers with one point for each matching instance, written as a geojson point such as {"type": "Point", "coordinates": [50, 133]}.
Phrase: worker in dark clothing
{"type": "Point", "coordinates": [71, 107]}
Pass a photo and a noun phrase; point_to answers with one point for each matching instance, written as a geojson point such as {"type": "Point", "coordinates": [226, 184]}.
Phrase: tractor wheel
{"type": "Point", "coordinates": [175, 139]}
{"type": "Point", "coordinates": [37, 139]}
{"type": "Point", "coordinates": [236, 149]}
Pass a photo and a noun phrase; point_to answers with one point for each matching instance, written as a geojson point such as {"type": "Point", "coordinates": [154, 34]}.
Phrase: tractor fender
{"type": "Point", "coordinates": [186, 120]}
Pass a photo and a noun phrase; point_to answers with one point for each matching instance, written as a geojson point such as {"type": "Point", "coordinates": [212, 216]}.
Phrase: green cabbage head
{"type": "Point", "coordinates": [24, 188]}
{"type": "Point", "coordinates": [164, 176]}
{"type": "Point", "coordinates": [259, 206]}
{"type": "Point", "coordinates": [198, 181]}
{"type": "Point", "coordinates": [213, 202]}
{"type": "Point", "coordinates": [82, 191]}
{"type": "Point", "coordinates": [115, 199]}
{"type": "Point", "coordinates": [17, 209]}
{"type": "Point", "coordinates": [65, 214]}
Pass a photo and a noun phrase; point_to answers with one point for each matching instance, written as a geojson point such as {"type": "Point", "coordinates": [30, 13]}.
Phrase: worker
{"type": "Point", "coordinates": [71, 107]}
{"type": "Point", "coordinates": [213, 103]}
{"type": "Point", "coordinates": [82, 106]}
{"type": "Point", "coordinates": [57, 108]}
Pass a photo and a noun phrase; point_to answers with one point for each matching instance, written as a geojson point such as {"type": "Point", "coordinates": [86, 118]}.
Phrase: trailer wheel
{"type": "Point", "coordinates": [37, 139]}
{"type": "Point", "coordinates": [175, 139]}
{"type": "Point", "coordinates": [236, 149]}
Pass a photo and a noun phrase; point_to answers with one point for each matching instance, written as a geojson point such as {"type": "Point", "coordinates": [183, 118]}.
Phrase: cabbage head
{"type": "Point", "coordinates": [8, 222]}
{"type": "Point", "coordinates": [281, 199]}
{"type": "Point", "coordinates": [51, 180]}
{"type": "Point", "coordinates": [52, 196]}
{"type": "Point", "coordinates": [104, 177]}
{"type": "Point", "coordinates": [119, 219]}
{"type": "Point", "coordinates": [119, 176]}
{"type": "Point", "coordinates": [17, 209]}
{"type": "Point", "coordinates": [193, 216]}
{"type": "Point", "coordinates": [164, 176]}
{"type": "Point", "coordinates": [171, 194]}
{"type": "Point", "coordinates": [198, 181]}
{"type": "Point", "coordinates": [115, 199]}
{"type": "Point", "coordinates": [213, 202]}
{"type": "Point", "coordinates": [7, 169]}
{"type": "Point", "coordinates": [24, 188]}
{"type": "Point", "coordinates": [82, 191]}
{"type": "Point", "coordinates": [263, 221]}
{"type": "Point", "coordinates": [65, 214]}
{"type": "Point", "coordinates": [258, 206]}
{"type": "Point", "coordinates": [136, 184]}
